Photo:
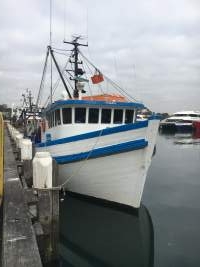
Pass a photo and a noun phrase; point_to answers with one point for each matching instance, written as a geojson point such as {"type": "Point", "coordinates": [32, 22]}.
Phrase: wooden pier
{"type": "Point", "coordinates": [19, 246]}
{"type": "Point", "coordinates": [26, 238]}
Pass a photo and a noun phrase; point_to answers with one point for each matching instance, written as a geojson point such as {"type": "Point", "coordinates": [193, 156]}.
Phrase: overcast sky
{"type": "Point", "coordinates": [151, 47]}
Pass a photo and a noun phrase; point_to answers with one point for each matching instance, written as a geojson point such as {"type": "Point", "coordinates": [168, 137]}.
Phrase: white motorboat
{"type": "Point", "coordinates": [180, 121]}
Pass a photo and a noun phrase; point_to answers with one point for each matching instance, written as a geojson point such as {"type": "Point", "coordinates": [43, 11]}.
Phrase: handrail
{"type": "Point", "coordinates": [1, 156]}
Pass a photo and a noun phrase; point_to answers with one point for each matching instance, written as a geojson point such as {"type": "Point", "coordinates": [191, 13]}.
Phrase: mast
{"type": "Point", "coordinates": [59, 71]}
{"type": "Point", "coordinates": [30, 101]}
{"type": "Point", "coordinates": [77, 71]}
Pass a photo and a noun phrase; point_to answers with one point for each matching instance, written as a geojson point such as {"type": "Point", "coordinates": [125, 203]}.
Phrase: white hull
{"type": "Point", "coordinates": [117, 177]}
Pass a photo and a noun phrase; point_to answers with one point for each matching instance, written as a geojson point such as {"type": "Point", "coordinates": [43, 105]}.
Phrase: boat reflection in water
{"type": "Point", "coordinates": [95, 234]}
{"type": "Point", "coordinates": [182, 138]}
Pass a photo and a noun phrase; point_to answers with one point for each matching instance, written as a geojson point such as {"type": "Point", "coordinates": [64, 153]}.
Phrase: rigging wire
{"type": "Point", "coordinates": [61, 53]}
{"type": "Point", "coordinates": [118, 88]}
{"type": "Point", "coordinates": [89, 87]}
{"type": "Point", "coordinates": [68, 81]}
{"type": "Point", "coordinates": [51, 82]}
{"type": "Point", "coordinates": [57, 82]}
{"type": "Point", "coordinates": [61, 49]}
{"type": "Point", "coordinates": [43, 78]}
{"type": "Point", "coordinates": [86, 63]}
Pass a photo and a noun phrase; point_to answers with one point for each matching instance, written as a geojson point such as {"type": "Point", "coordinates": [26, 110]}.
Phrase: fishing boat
{"type": "Point", "coordinates": [180, 121]}
{"type": "Point", "coordinates": [102, 150]}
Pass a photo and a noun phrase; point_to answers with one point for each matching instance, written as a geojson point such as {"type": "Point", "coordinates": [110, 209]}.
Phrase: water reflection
{"type": "Point", "coordinates": [184, 138]}
{"type": "Point", "coordinates": [93, 234]}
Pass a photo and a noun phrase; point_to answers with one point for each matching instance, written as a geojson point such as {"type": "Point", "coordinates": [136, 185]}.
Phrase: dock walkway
{"type": "Point", "coordinates": [19, 241]}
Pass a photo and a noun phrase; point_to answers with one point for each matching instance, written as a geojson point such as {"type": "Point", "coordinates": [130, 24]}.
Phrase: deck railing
{"type": "Point", "coordinates": [1, 156]}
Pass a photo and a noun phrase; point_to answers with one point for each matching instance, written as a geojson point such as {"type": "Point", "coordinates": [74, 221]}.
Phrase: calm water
{"type": "Point", "coordinates": [172, 195]}
{"type": "Point", "coordinates": [163, 232]}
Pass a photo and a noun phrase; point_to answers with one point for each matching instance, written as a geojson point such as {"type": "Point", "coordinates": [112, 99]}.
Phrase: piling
{"type": "Point", "coordinates": [48, 204]}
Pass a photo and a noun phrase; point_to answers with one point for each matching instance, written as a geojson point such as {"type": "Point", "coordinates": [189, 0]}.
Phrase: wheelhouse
{"type": "Point", "coordinates": [68, 113]}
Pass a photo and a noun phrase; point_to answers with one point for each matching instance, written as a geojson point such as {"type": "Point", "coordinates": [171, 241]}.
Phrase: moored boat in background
{"type": "Point", "coordinates": [180, 121]}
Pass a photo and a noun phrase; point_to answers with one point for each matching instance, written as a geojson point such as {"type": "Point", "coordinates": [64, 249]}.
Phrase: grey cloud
{"type": "Point", "coordinates": [150, 47]}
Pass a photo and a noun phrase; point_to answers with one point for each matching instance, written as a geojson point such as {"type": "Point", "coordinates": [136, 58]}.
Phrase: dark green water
{"type": "Point", "coordinates": [172, 196]}
{"type": "Point", "coordinates": [163, 232]}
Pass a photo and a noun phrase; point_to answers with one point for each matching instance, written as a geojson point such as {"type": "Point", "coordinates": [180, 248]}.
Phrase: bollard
{"type": "Point", "coordinates": [44, 174]}
{"type": "Point", "coordinates": [26, 149]}
{"type": "Point", "coordinates": [42, 170]}
{"type": "Point", "coordinates": [17, 151]}
{"type": "Point", "coordinates": [15, 132]}
{"type": "Point", "coordinates": [18, 139]}
{"type": "Point", "coordinates": [26, 157]}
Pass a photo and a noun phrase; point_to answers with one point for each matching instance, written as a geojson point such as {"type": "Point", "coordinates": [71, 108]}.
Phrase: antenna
{"type": "Point", "coordinates": [77, 71]}
{"type": "Point", "coordinates": [50, 43]}
{"type": "Point", "coordinates": [64, 18]}
{"type": "Point", "coordinates": [87, 24]}
{"type": "Point", "coordinates": [50, 24]}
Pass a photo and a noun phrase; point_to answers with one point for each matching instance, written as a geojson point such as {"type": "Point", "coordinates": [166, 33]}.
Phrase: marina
{"type": "Point", "coordinates": [96, 233]}
{"type": "Point", "coordinates": [99, 134]}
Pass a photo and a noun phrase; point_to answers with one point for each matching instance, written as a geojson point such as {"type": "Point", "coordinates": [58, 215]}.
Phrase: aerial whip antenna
{"type": "Point", "coordinates": [64, 19]}
{"type": "Point", "coordinates": [50, 44]}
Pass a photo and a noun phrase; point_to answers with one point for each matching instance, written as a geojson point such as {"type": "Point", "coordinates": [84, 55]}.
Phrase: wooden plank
{"type": "Point", "coordinates": [19, 241]}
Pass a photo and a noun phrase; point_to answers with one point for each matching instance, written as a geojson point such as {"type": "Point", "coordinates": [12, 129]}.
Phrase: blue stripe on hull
{"type": "Point", "coordinates": [104, 151]}
{"type": "Point", "coordinates": [106, 131]}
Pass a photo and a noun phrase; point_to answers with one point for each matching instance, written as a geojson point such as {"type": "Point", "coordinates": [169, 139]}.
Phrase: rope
{"type": "Point", "coordinates": [83, 162]}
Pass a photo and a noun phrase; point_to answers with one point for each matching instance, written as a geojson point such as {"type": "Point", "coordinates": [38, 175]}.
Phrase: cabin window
{"type": "Point", "coordinates": [194, 115]}
{"type": "Point", "coordinates": [48, 120]}
{"type": "Point", "coordinates": [129, 115]}
{"type": "Point", "coordinates": [67, 115]}
{"type": "Point", "coordinates": [53, 118]}
{"type": "Point", "coordinates": [93, 115]}
{"type": "Point", "coordinates": [57, 117]}
{"type": "Point", "coordinates": [106, 116]}
{"type": "Point", "coordinates": [118, 116]}
{"type": "Point", "coordinates": [80, 115]}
